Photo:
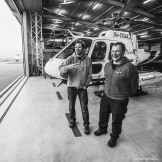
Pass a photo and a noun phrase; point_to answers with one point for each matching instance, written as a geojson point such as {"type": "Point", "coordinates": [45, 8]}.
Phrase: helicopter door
{"type": "Point", "coordinates": [98, 59]}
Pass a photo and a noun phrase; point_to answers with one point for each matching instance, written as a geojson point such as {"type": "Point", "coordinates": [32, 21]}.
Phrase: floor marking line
{"type": "Point", "coordinates": [4, 114]}
{"type": "Point", "coordinates": [75, 130]}
{"type": "Point", "coordinates": [54, 84]}
{"type": "Point", "coordinates": [59, 96]}
{"type": "Point", "coordinates": [11, 92]}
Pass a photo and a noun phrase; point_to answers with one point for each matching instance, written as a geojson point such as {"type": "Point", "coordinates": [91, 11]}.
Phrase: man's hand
{"type": "Point", "coordinates": [75, 66]}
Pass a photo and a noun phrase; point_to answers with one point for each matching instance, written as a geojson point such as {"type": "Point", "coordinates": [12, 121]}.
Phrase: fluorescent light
{"type": "Point", "coordinates": [96, 5]}
{"type": "Point", "coordinates": [67, 2]}
{"type": "Point", "coordinates": [126, 12]}
{"type": "Point", "coordinates": [146, 19]}
{"type": "Point", "coordinates": [147, 1]}
{"type": "Point", "coordinates": [95, 28]}
{"type": "Point", "coordinates": [144, 33]}
{"type": "Point", "coordinates": [85, 16]}
{"type": "Point", "coordinates": [142, 36]}
{"type": "Point", "coordinates": [125, 26]}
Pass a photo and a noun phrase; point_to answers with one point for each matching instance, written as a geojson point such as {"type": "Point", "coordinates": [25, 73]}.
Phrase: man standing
{"type": "Point", "coordinates": [78, 68]}
{"type": "Point", "coordinates": [121, 81]}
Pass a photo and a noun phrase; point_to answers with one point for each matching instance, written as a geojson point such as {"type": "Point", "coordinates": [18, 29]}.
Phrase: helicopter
{"type": "Point", "coordinates": [98, 49]}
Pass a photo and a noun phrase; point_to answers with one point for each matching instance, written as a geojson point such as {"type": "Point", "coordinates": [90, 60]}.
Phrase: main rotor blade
{"type": "Point", "coordinates": [146, 23]}
{"type": "Point", "coordinates": [124, 8]}
{"type": "Point", "coordinates": [128, 4]}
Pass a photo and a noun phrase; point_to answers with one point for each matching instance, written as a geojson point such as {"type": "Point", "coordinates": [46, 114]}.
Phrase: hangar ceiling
{"type": "Point", "coordinates": [141, 17]}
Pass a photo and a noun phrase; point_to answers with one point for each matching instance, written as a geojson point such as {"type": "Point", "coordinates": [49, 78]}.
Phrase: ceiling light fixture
{"type": "Point", "coordinates": [95, 28]}
{"type": "Point", "coordinates": [65, 2]}
{"type": "Point", "coordinates": [143, 36]}
{"type": "Point", "coordinates": [125, 26]}
{"type": "Point", "coordinates": [76, 24]}
{"type": "Point", "coordinates": [146, 19]}
{"type": "Point", "coordinates": [96, 5]}
{"type": "Point", "coordinates": [125, 13]}
{"type": "Point", "coordinates": [85, 16]}
{"type": "Point", "coordinates": [147, 1]}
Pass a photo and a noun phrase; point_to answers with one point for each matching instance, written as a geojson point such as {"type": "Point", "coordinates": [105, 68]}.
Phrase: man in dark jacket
{"type": "Point", "coordinates": [121, 81]}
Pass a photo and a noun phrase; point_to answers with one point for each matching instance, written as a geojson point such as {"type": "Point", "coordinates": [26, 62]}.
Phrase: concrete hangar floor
{"type": "Point", "coordinates": [34, 126]}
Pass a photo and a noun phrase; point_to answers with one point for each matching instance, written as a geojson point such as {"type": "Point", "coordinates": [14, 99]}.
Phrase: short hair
{"type": "Point", "coordinates": [81, 42]}
{"type": "Point", "coordinates": [122, 45]}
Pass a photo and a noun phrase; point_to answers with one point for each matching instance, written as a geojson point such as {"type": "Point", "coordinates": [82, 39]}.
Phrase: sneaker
{"type": "Point", "coordinates": [72, 124]}
{"type": "Point", "coordinates": [86, 129]}
{"type": "Point", "coordinates": [112, 142]}
{"type": "Point", "coordinates": [100, 132]}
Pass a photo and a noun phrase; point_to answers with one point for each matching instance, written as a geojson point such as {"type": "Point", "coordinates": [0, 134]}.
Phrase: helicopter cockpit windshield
{"type": "Point", "coordinates": [69, 50]}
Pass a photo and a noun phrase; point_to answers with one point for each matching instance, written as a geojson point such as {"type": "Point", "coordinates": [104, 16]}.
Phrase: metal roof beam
{"type": "Point", "coordinates": [15, 12]}
{"type": "Point", "coordinates": [159, 18]}
{"type": "Point", "coordinates": [138, 11]}
{"type": "Point", "coordinates": [74, 20]}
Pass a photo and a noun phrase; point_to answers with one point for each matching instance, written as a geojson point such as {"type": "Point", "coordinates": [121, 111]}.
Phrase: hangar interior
{"type": "Point", "coordinates": [45, 24]}
{"type": "Point", "coordinates": [34, 112]}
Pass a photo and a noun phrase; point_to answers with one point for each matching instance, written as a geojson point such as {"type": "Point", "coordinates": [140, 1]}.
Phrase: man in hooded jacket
{"type": "Point", "coordinates": [78, 68]}
{"type": "Point", "coordinates": [121, 81]}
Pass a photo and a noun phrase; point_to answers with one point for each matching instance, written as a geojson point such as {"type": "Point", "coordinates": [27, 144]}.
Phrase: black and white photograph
{"type": "Point", "coordinates": [81, 81]}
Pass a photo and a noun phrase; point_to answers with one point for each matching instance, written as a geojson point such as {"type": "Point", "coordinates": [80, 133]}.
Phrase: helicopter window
{"type": "Point", "coordinates": [68, 51]}
{"type": "Point", "coordinates": [87, 50]}
{"type": "Point", "coordinates": [110, 51]}
{"type": "Point", "coordinates": [99, 52]}
{"type": "Point", "coordinates": [96, 68]}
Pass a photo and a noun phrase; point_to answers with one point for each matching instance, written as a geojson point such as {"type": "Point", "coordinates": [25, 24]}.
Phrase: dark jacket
{"type": "Point", "coordinates": [77, 77]}
{"type": "Point", "coordinates": [122, 81]}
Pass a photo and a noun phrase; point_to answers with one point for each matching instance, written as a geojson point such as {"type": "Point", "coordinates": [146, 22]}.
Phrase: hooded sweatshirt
{"type": "Point", "coordinates": [121, 81]}
{"type": "Point", "coordinates": [78, 77]}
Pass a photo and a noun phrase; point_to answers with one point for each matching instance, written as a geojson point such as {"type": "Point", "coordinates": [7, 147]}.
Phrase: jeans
{"type": "Point", "coordinates": [83, 98]}
{"type": "Point", "coordinates": [118, 108]}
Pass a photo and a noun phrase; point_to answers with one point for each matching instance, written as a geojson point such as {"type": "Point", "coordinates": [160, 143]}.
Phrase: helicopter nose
{"type": "Point", "coordinates": [52, 67]}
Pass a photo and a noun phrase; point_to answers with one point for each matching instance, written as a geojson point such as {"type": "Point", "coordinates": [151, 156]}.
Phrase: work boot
{"type": "Point", "coordinates": [112, 142]}
{"type": "Point", "coordinates": [100, 131]}
{"type": "Point", "coordinates": [71, 123]}
{"type": "Point", "coordinates": [86, 129]}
